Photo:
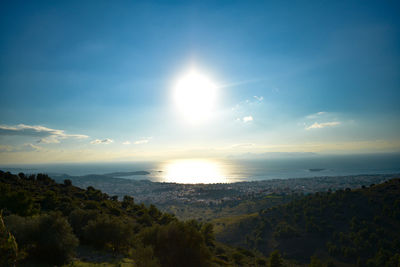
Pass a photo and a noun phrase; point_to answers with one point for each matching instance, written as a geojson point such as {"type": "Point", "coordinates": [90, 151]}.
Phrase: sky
{"type": "Point", "coordinates": [84, 81]}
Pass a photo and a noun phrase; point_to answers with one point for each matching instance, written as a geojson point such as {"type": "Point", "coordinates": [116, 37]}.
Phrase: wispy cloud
{"type": "Point", "coordinates": [239, 83]}
{"type": "Point", "coordinates": [317, 125]}
{"type": "Point", "coordinates": [46, 135]}
{"type": "Point", "coordinates": [142, 141]}
{"type": "Point", "coordinates": [316, 115]}
{"type": "Point", "coordinates": [5, 148]}
{"type": "Point", "coordinates": [30, 147]}
{"type": "Point", "coordinates": [102, 141]}
{"type": "Point", "coordinates": [247, 119]}
{"type": "Point", "coordinates": [259, 98]}
{"type": "Point", "coordinates": [243, 145]}
{"type": "Point", "coordinates": [21, 148]}
{"type": "Point", "coordinates": [248, 103]}
{"type": "Point", "coordinates": [126, 143]}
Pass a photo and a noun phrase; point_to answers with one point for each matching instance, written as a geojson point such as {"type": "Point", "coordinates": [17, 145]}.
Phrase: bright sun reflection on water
{"type": "Point", "coordinates": [194, 171]}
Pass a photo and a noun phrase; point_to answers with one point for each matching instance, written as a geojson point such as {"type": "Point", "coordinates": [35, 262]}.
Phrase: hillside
{"type": "Point", "coordinates": [50, 223]}
{"type": "Point", "coordinates": [360, 226]}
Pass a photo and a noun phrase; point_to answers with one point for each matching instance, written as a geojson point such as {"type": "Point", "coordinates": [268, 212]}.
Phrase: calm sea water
{"type": "Point", "coordinates": [224, 170]}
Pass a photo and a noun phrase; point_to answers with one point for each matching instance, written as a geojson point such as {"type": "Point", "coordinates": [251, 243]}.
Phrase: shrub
{"type": "Point", "coordinates": [106, 232]}
{"type": "Point", "coordinates": [144, 256]}
{"type": "Point", "coordinates": [79, 218]}
{"type": "Point", "coordinates": [55, 241]}
{"type": "Point", "coordinates": [275, 259]}
{"type": "Point", "coordinates": [177, 244]}
{"type": "Point", "coordinates": [47, 238]}
{"type": "Point", "coordinates": [8, 246]}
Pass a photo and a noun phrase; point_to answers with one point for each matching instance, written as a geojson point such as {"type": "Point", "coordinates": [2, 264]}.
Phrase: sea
{"type": "Point", "coordinates": [227, 170]}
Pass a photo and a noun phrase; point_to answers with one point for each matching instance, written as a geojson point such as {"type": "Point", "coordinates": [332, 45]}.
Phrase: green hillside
{"type": "Point", "coordinates": [44, 222]}
{"type": "Point", "coordinates": [357, 227]}
{"type": "Point", "coordinates": [55, 224]}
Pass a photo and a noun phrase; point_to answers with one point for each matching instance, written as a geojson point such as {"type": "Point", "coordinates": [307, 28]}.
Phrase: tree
{"type": "Point", "coordinates": [19, 202]}
{"type": "Point", "coordinates": [127, 201]}
{"type": "Point", "coordinates": [54, 240]}
{"type": "Point", "coordinates": [275, 259]}
{"type": "Point", "coordinates": [177, 244]}
{"type": "Point", "coordinates": [208, 234]}
{"type": "Point", "coordinates": [144, 256]}
{"type": "Point", "coordinates": [107, 232]}
{"type": "Point", "coordinates": [79, 218]}
{"type": "Point", "coordinates": [8, 246]}
{"type": "Point", "coordinates": [315, 262]}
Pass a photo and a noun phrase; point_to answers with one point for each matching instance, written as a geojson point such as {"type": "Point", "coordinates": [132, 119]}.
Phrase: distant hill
{"type": "Point", "coordinates": [360, 226]}
{"type": "Point", "coordinates": [122, 174]}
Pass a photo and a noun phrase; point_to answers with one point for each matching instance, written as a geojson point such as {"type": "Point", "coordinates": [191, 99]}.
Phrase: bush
{"type": "Point", "coordinates": [19, 202]}
{"type": "Point", "coordinates": [284, 230]}
{"type": "Point", "coordinates": [8, 246]}
{"type": "Point", "coordinates": [144, 256]}
{"type": "Point", "coordinates": [177, 244]}
{"type": "Point", "coordinates": [79, 218]}
{"type": "Point", "coordinates": [55, 241]}
{"type": "Point", "coordinates": [275, 259]}
{"type": "Point", "coordinates": [47, 238]}
{"type": "Point", "coordinates": [111, 233]}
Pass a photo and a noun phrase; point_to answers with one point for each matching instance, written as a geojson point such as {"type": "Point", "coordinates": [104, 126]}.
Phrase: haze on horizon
{"type": "Point", "coordinates": [119, 81]}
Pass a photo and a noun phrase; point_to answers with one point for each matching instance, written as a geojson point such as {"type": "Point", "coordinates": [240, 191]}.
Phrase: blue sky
{"type": "Point", "coordinates": [92, 80]}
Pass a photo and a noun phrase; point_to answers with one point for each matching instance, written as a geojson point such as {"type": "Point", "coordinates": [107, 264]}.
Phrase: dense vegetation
{"type": "Point", "coordinates": [47, 222]}
{"type": "Point", "coordinates": [358, 227]}
{"type": "Point", "coordinates": [207, 212]}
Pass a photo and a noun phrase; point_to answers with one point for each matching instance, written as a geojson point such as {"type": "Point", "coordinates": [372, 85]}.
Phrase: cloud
{"type": "Point", "coordinates": [247, 119]}
{"type": "Point", "coordinates": [317, 125]}
{"type": "Point", "coordinates": [316, 115]}
{"type": "Point", "coordinates": [104, 141]}
{"type": "Point", "coordinates": [6, 148]}
{"type": "Point", "coordinates": [243, 145]}
{"type": "Point", "coordinates": [142, 141]}
{"type": "Point", "coordinates": [21, 148]}
{"type": "Point", "coordinates": [30, 147]}
{"type": "Point", "coordinates": [259, 98]}
{"type": "Point", "coordinates": [46, 135]}
{"type": "Point", "coordinates": [248, 103]}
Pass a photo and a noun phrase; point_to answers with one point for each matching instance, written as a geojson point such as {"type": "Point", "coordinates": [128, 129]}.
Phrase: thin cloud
{"type": "Point", "coordinates": [259, 98]}
{"type": "Point", "coordinates": [5, 148]}
{"type": "Point", "coordinates": [233, 84]}
{"type": "Point", "coordinates": [316, 115]}
{"type": "Point", "coordinates": [30, 147]}
{"type": "Point", "coordinates": [142, 141]}
{"type": "Point", "coordinates": [243, 145]}
{"type": "Point", "coordinates": [247, 119]}
{"type": "Point", "coordinates": [317, 125]}
{"type": "Point", "coordinates": [126, 143]}
{"type": "Point", "coordinates": [102, 141]}
{"type": "Point", "coordinates": [46, 135]}
{"type": "Point", "coordinates": [248, 103]}
{"type": "Point", "coordinates": [21, 148]}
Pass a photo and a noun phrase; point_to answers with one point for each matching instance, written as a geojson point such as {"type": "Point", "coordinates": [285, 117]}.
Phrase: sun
{"type": "Point", "coordinates": [194, 96]}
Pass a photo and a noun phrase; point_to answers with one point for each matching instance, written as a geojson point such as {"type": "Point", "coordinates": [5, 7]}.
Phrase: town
{"type": "Point", "coordinates": [164, 194]}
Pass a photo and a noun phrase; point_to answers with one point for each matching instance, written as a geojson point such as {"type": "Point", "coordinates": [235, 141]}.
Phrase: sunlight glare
{"type": "Point", "coordinates": [194, 96]}
{"type": "Point", "coordinates": [194, 171]}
